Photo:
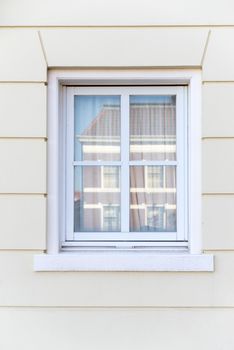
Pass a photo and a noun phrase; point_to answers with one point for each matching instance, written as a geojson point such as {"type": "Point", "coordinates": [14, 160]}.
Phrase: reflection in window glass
{"type": "Point", "coordinates": [154, 176]}
{"type": "Point", "coordinates": [97, 185]}
{"type": "Point", "coordinates": [97, 127]}
{"type": "Point", "coordinates": [153, 199]}
{"type": "Point", "coordinates": [155, 217]}
{"type": "Point", "coordinates": [152, 127]}
{"type": "Point", "coordinates": [111, 217]}
{"type": "Point", "coordinates": [95, 206]}
{"type": "Point", "coordinates": [110, 177]}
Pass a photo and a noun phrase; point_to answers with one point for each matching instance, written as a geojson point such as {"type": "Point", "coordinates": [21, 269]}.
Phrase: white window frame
{"type": "Point", "coordinates": [169, 257]}
{"type": "Point", "coordinates": [126, 238]}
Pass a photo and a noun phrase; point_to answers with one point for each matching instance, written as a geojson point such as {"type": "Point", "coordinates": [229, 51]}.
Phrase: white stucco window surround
{"type": "Point", "coordinates": [124, 171]}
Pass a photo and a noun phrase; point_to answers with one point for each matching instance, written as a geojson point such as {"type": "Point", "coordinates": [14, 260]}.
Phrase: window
{"type": "Point", "coordinates": [124, 184]}
{"type": "Point", "coordinates": [126, 165]}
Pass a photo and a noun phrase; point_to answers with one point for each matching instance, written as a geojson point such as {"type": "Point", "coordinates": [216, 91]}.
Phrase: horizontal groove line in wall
{"type": "Point", "coordinates": [22, 250]}
{"type": "Point", "coordinates": [36, 138]}
{"type": "Point", "coordinates": [22, 194]}
{"type": "Point", "coordinates": [123, 307]}
{"type": "Point", "coordinates": [221, 250]}
{"type": "Point", "coordinates": [218, 81]}
{"type": "Point", "coordinates": [22, 81]}
{"type": "Point", "coordinates": [218, 194]}
{"type": "Point", "coordinates": [114, 26]}
{"type": "Point", "coordinates": [217, 138]}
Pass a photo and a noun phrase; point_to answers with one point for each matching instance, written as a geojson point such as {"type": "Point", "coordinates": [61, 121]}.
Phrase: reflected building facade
{"type": "Point", "coordinates": [152, 187]}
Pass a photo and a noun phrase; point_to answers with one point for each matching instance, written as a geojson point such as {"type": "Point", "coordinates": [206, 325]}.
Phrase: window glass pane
{"type": "Point", "coordinates": [97, 127]}
{"type": "Point", "coordinates": [97, 199]}
{"type": "Point", "coordinates": [153, 127]}
{"type": "Point", "coordinates": [153, 198]}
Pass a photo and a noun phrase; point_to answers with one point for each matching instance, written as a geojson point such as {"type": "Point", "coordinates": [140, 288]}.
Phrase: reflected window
{"type": "Point", "coordinates": [111, 177]}
{"type": "Point", "coordinates": [155, 218]}
{"type": "Point", "coordinates": [111, 218]}
{"type": "Point", "coordinates": [154, 176]}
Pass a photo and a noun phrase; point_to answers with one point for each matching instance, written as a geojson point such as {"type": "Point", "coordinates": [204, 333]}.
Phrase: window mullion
{"type": "Point", "coordinates": [125, 162]}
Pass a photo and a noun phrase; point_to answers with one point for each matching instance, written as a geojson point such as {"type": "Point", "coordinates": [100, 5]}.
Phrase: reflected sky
{"type": "Point", "coordinates": [88, 107]}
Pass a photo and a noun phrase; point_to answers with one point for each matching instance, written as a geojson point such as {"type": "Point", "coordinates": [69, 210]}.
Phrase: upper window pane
{"type": "Point", "coordinates": [152, 127]}
{"type": "Point", "coordinates": [97, 128]}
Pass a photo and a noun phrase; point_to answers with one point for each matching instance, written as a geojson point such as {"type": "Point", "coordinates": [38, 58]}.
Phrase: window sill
{"type": "Point", "coordinates": [123, 261]}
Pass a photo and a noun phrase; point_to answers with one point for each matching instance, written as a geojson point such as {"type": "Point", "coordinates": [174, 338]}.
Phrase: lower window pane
{"type": "Point", "coordinates": [153, 198]}
{"type": "Point", "coordinates": [97, 199]}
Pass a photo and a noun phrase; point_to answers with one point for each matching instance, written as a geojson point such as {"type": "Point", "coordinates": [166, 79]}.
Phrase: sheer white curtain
{"type": "Point", "coordinates": [152, 188]}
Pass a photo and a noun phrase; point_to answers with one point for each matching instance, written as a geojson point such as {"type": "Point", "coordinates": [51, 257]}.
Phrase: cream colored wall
{"type": "Point", "coordinates": [87, 310]}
